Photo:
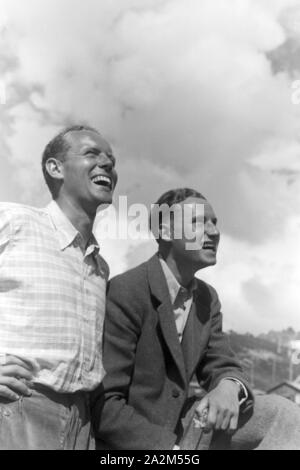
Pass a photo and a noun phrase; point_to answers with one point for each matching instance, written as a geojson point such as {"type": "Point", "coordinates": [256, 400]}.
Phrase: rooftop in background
{"type": "Point", "coordinates": [287, 389]}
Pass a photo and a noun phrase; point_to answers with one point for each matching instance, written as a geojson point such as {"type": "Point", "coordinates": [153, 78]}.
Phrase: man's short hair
{"type": "Point", "coordinates": [169, 198]}
{"type": "Point", "coordinates": [58, 148]}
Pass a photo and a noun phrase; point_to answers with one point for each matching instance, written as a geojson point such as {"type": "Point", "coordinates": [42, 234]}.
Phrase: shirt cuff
{"type": "Point", "coordinates": [243, 395]}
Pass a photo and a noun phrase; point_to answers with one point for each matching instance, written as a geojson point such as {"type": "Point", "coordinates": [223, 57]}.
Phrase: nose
{"type": "Point", "coordinates": [212, 230]}
{"type": "Point", "coordinates": [105, 161]}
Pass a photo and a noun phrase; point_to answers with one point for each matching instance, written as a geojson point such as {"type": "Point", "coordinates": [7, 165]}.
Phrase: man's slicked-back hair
{"type": "Point", "coordinates": [176, 196]}
{"type": "Point", "coordinates": [57, 148]}
{"type": "Point", "coordinates": [170, 198]}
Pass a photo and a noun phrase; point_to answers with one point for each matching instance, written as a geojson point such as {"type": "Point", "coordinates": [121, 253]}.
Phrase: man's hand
{"type": "Point", "coordinates": [12, 371]}
{"type": "Point", "coordinates": [222, 404]}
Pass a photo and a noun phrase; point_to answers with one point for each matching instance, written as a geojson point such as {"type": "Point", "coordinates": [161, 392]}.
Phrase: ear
{"type": "Point", "coordinates": [165, 232]}
{"type": "Point", "coordinates": [55, 168]}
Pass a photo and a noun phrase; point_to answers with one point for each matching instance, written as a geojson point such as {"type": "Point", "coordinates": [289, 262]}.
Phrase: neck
{"type": "Point", "coordinates": [182, 270]}
{"type": "Point", "coordinates": [79, 218]}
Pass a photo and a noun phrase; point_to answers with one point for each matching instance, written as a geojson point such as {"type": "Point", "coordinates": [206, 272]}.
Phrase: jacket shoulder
{"type": "Point", "coordinates": [131, 283]}
{"type": "Point", "coordinates": [130, 276]}
{"type": "Point", "coordinates": [129, 293]}
{"type": "Point", "coordinates": [207, 291]}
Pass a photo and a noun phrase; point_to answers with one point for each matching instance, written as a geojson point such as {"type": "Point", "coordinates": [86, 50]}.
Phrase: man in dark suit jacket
{"type": "Point", "coordinates": [163, 326]}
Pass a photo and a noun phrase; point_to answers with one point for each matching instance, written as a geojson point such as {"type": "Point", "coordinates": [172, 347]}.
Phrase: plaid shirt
{"type": "Point", "coordinates": [52, 297]}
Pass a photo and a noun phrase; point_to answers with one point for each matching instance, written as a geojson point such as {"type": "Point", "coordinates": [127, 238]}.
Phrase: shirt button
{"type": "Point", "coordinates": [6, 413]}
{"type": "Point", "coordinates": [175, 393]}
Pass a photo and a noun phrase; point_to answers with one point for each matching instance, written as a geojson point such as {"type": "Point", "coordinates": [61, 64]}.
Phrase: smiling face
{"type": "Point", "coordinates": [89, 176]}
{"type": "Point", "coordinates": [204, 228]}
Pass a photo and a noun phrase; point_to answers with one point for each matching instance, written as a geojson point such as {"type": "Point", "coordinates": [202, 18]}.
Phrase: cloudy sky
{"type": "Point", "coordinates": [193, 93]}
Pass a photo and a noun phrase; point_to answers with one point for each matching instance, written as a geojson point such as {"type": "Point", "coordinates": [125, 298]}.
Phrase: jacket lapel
{"type": "Point", "coordinates": [159, 288]}
{"type": "Point", "coordinates": [196, 332]}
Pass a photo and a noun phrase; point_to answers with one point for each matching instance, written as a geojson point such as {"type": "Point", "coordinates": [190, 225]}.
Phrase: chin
{"type": "Point", "coordinates": [205, 263]}
{"type": "Point", "coordinates": [212, 262]}
{"type": "Point", "coordinates": [105, 199]}
{"type": "Point", "coordinates": [99, 203]}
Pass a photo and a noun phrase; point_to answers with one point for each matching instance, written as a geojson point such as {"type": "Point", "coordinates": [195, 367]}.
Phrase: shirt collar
{"type": "Point", "coordinates": [92, 246]}
{"type": "Point", "coordinates": [66, 232]}
{"type": "Point", "coordinates": [174, 287]}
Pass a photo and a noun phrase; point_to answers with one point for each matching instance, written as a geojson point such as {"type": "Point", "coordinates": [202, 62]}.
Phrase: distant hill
{"type": "Point", "coordinates": [265, 357]}
{"type": "Point", "coordinates": [281, 338]}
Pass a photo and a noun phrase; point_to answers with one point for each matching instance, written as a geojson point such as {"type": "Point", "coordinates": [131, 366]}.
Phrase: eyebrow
{"type": "Point", "coordinates": [88, 148]}
{"type": "Point", "coordinates": [97, 150]}
{"type": "Point", "coordinates": [195, 218]}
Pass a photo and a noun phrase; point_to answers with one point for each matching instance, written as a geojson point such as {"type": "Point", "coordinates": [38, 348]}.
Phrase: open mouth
{"type": "Point", "coordinates": [102, 180]}
{"type": "Point", "coordinates": [209, 246]}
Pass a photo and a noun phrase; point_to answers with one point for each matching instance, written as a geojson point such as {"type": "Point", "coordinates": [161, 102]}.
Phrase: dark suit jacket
{"type": "Point", "coordinates": [142, 398]}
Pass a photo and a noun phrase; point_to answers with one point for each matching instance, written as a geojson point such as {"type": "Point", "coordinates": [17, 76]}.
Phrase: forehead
{"type": "Point", "coordinates": [82, 140]}
{"type": "Point", "coordinates": [193, 202]}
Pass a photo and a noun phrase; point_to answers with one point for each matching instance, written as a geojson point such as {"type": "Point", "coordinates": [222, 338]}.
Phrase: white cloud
{"type": "Point", "coordinates": [187, 95]}
{"type": "Point", "coordinates": [259, 284]}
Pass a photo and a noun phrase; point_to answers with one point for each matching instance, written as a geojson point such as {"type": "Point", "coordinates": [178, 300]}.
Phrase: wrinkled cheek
{"type": "Point", "coordinates": [115, 178]}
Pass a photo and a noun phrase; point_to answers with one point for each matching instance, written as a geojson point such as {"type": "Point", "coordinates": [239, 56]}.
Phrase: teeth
{"type": "Point", "coordinates": [101, 178]}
